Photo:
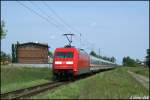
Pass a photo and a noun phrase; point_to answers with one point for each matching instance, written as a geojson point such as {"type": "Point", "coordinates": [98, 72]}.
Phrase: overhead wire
{"type": "Point", "coordinates": [44, 13]}
{"type": "Point", "coordinates": [59, 17]}
{"type": "Point", "coordinates": [47, 20]}
{"type": "Point", "coordinates": [63, 21]}
{"type": "Point", "coordinates": [89, 44]}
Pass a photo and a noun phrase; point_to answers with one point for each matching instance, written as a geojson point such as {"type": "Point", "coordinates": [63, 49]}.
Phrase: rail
{"type": "Point", "coordinates": [31, 90]}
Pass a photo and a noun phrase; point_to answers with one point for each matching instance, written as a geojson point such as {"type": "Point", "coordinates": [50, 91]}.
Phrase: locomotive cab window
{"type": "Point", "coordinates": [64, 54]}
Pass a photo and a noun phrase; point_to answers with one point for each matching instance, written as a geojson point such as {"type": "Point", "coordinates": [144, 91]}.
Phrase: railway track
{"type": "Point", "coordinates": [31, 90]}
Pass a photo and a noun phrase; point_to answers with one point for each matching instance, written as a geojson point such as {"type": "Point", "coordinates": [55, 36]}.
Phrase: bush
{"type": "Point", "coordinates": [127, 61]}
{"type": "Point", "coordinates": [5, 58]}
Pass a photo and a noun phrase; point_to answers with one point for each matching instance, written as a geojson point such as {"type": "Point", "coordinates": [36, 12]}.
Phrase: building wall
{"type": "Point", "coordinates": [32, 54]}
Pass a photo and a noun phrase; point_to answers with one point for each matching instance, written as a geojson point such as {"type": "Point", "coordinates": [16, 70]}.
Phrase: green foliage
{"type": "Point", "coordinates": [93, 54]}
{"type": "Point", "coordinates": [138, 70]}
{"type": "Point", "coordinates": [127, 61]}
{"type": "Point", "coordinates": [114, 84]}
{"type": "Point", "coordinates": [112, 59]}
{"type": "Point", "coordinates": [147, 58]}
{"type": "Point", "coordinates": [50, 53]}
{"type": "Point", "coordinates": [5, 57]}
{"type": "Point", "coordinates": [13, 77]}
{"type": "Point", "coordinates": [14, 53]}
{"type": "Point", "coordinates": [3, 31]}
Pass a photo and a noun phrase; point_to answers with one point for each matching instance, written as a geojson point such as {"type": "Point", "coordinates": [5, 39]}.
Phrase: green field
{"type": "Point", "coordinates": [13, 78]}
{"type": "Point", "coordinates": [139, 70]}
{"type": "Point", "coordinates": [113, 84]}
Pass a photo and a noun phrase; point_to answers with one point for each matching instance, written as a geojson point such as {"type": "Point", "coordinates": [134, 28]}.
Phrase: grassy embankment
{"type": "Point", "coordinates": [139, 70]}
{"type": "Point", "coordinates": [13, 78]}
{"type": "Point", "coordinates": [113, 84]}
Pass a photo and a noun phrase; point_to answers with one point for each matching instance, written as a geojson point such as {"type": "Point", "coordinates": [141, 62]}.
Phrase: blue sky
{"type": "Point", "coordinates": [118, 28]}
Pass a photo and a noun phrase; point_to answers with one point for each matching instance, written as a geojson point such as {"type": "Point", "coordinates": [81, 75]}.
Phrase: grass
{"type": "Point", "coordinates": [113, 84]}
{"type": "Point", "coordinates": [139, 70]}
{"type": "Point", "coordinates": [13, 78]}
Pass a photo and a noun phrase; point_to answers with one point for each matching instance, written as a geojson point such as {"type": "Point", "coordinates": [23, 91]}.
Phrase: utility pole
{"type": "Point", "coordinates": [99, 52]}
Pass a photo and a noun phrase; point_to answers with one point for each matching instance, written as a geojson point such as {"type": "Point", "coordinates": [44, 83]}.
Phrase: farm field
{"type": "Point", "coordinates": [113, 84]}
{"type": "Point", "coordinates": [13, 78]}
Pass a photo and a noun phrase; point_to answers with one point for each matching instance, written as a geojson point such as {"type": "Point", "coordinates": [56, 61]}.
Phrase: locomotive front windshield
{"type": "Point", "coordinates": [64, 54]}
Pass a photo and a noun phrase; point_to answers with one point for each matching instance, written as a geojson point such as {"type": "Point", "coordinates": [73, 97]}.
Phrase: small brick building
{"type": "Point", "coordinates": [32, 53]}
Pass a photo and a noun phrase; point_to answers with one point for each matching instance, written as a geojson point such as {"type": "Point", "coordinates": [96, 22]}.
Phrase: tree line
{"type": "Point", "coordinates": [111, 59]}
{"type": "Point", "coordinates": [127, 61]}
{"type": "Point", "coordinates": [5, 58]}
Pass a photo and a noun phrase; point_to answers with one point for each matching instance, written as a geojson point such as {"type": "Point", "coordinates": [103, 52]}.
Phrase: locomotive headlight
{"type": "Point", "coordinates": [69, 62]}
{"type": "Point", "coordinates": [58, 62]}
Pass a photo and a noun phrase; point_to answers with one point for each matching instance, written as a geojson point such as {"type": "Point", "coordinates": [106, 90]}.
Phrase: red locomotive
{"type": "Point", "coordinates": [69, 61]}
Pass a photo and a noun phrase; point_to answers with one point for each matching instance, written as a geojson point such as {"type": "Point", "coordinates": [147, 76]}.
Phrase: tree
{"type": "Point", "coordinates": [93, 53]}
{"type": "Point", "coordinates": [50, 53]}
{"type": "Point", "coordinates": [113, 59]}
{"type": "Point", "coordinates": [3, 31]}
{"type": "Point", "coordinates": [127, 61]}
{"type": "Point", "coordinates": [5, 57]}
{"type": "Point", "coordinates": [13, 53]}
{"type": "Point", "coordinates": [106, 58]}
{"type": "Point", "coordinates": [147, 58]}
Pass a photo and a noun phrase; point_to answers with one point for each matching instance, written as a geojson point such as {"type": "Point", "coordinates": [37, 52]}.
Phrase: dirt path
{"type": "Point", "coordinates": [142, 79]}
